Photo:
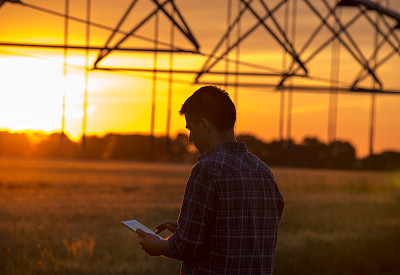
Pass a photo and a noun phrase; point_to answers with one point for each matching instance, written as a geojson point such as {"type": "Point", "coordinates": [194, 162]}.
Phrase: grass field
{"type": "Point", "coordinates": [63, 217]}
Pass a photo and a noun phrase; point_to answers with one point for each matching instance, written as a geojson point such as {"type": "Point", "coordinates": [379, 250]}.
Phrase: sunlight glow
{"type": "Point", "coordinates": [32, 93]}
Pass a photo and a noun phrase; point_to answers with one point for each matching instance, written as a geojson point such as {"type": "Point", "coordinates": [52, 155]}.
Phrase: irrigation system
{"type": "Point", "coordinates": [280, 20]}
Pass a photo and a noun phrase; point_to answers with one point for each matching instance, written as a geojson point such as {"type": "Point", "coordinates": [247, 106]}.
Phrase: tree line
{"type": "Point", "coordinates": [310, 153]}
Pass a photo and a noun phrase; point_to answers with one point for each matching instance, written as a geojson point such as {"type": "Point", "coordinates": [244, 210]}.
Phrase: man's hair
{"type": "Point", "coordinates": [213, 104]}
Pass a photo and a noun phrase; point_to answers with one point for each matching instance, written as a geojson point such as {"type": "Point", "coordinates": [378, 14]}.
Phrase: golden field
{"type": "Point", "coordinates": [63, 217]}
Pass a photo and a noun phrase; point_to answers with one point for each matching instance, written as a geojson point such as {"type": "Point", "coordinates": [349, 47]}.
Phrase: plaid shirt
{"type": "Point", "coordinates": [230, 214]}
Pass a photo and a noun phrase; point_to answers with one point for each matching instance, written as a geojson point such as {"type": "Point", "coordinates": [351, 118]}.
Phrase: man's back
{"type": "Point", "coordinates": [230, 214]}
{"type": "Point", "coordinates": [232, 206]}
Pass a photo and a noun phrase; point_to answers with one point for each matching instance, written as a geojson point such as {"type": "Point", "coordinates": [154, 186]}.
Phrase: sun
{"type": "Point", "coordinates": [32, 91]}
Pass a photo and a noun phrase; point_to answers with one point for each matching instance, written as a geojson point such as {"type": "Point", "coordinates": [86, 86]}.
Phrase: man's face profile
{"type": "Point", "coordinates": [197, 134]}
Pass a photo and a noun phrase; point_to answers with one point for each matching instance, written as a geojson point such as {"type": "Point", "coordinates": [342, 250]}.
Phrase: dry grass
{"type": "Point", "coordinates": [339, 222]}
{"type": "Point", "coordinates": [63, 217]}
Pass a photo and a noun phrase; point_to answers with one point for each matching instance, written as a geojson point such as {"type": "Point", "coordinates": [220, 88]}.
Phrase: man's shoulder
{"type": "Point", "coordinates": [213, 165]}
{"type": "Point", "coordinates": [222, 162]}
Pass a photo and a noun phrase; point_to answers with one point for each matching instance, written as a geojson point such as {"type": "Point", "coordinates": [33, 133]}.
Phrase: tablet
{"type": "Point", "coordinates": [134, 224]}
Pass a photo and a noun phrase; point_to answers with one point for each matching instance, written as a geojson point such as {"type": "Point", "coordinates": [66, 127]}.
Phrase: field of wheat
{"type": "Point", "coordinates": [63, 217]}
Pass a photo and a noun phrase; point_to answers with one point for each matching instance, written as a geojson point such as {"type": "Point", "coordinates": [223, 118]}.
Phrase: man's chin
{"type": "Point", "coordinates": [200, 151]}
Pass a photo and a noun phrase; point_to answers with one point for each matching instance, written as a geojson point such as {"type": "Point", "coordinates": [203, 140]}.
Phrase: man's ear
{"type": "Point", "coordinates": [205, 125]}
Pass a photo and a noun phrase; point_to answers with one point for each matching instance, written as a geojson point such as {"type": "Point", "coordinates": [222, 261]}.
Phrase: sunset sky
{"type": "Point", "coordinates": [32, 82]}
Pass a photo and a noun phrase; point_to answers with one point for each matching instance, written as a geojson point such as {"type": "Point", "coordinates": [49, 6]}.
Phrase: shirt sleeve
{"type": "Point", "coordinates": [197, 212]}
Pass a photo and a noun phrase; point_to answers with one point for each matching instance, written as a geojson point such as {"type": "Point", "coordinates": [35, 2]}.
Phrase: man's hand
{"type": "Point", "coordinates": [171, 226]}
{"type": "Point", "coordinates": [151, 244]}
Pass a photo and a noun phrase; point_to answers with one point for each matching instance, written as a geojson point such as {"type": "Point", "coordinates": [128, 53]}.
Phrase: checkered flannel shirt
{"type": "Point", "coordinates": [230, 214]}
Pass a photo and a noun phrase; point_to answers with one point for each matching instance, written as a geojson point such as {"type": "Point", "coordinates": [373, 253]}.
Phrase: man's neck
{"type": "Point", "coordinates": [222, 137]}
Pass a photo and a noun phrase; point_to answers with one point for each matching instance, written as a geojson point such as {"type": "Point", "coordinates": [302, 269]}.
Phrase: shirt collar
{"type": "Point", "coordinates": [229, 146]}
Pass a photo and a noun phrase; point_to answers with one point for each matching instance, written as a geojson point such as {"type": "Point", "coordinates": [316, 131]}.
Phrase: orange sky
{"type": "Point", "coordinates": [32, 82]}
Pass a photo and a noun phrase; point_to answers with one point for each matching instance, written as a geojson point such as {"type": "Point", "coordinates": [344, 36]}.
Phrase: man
{"type": "Point", "coordinates": [232, 207]}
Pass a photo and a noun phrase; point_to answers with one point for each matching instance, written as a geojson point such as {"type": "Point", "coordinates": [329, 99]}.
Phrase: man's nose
{"type": "Point", "coordinates": [190, 136]}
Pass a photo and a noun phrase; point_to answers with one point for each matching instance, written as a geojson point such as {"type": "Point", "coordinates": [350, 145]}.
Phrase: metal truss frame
{"type": "Point", "coordinates": [298, 68]}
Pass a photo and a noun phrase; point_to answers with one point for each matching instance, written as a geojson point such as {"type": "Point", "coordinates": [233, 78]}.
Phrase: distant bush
{"type": "Point", "coordinates": [385, 161]}
{"type": "Point", "coordinates": [309, 153]}
{"type": "Point", "coordinates": [15, 144]}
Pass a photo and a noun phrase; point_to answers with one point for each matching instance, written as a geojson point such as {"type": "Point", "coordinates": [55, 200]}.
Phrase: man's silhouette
{"type": "Point", "coordinates": [228, 223]}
